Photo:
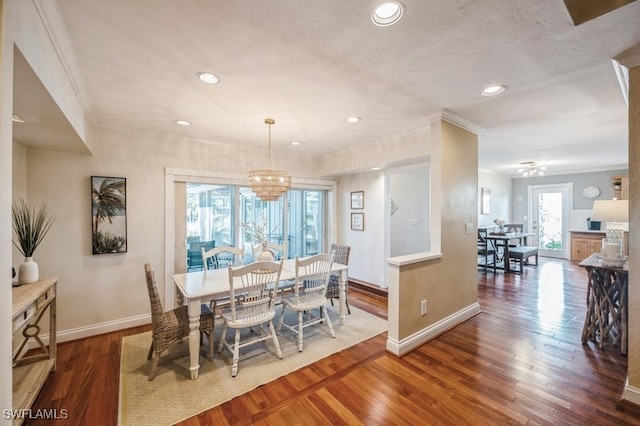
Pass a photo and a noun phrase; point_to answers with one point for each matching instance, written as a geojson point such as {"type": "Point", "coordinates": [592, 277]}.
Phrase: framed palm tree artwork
{"type": "Point", "coordinates": [109, 214]}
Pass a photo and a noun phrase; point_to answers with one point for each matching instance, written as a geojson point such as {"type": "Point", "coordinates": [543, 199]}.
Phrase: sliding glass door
{"type": "Point", "coordinates": [215, 214]}
{"type": "Point", "coordinates": [307, 222]}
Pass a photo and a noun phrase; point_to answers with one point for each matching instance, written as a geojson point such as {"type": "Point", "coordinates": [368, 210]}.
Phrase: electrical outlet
{"type": "Point", "coordinates": [423, 307]}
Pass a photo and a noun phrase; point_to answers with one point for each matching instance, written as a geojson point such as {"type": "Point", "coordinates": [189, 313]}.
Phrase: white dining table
{"type": "Point", "coordinates": [195, 288]}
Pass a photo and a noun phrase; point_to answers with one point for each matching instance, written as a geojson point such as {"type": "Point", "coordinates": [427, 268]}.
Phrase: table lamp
{"type": "Point", "coordinates": [614, 212]}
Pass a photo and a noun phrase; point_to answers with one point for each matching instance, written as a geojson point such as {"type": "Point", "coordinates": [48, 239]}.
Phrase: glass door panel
{"type": "Point", "coordinates": [550, 219]}
{"type": "Point", "coordinates": [210, 213]}
{"type": "Point", "coordinates": [266, 214]}
{"type": "Point", "coordinates": [306, 219]}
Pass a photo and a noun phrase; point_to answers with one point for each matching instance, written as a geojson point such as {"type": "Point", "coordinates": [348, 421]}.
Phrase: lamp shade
{"type": "Point", "coordinates": [610, 211]}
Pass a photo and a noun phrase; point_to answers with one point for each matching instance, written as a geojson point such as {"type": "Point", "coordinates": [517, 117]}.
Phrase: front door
{"type": "Point", "coordinates": [550, 219]}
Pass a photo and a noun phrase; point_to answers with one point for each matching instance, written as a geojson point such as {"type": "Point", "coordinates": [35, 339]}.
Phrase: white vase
{"type": "Point", "coordinates": [266, 255]}
{"type": "Point", "coordinates": [28, 271]}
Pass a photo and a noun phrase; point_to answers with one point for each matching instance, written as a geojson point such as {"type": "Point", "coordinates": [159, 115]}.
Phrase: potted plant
{"type": "Point", "coordinates": [30, 226]}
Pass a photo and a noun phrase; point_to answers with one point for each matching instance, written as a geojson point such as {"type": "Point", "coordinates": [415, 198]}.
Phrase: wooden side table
{"type": "Point", "coordinates": [607, 303]}
{"type": "Point", "coordinates": [31, 368]}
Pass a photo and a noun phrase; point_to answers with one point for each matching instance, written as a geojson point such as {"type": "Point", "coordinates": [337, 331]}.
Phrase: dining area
{"type": "Point", "coordinates": [505, 247]}
{"type": "Point", "coordinates": [233, 295]}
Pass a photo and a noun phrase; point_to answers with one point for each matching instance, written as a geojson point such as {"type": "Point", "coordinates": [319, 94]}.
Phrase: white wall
{"type": "Point", "coordinates": [500, 186]}
{"type": "Point", "coordinates": [409, 225]}
{"type": "Point", "coordinates": [366, 262]}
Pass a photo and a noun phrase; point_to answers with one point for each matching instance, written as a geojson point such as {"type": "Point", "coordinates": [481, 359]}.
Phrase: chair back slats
{"type": "Point", "coordinates": [222, 256]}
{"type": "Point", "coordinates": [256, 283]}
{"type": "Point", "coordinates": [315, 270]}
{"type": "Point", "coordinates": [157, 312]}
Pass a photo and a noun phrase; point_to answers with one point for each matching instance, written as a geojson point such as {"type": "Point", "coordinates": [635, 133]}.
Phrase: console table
{"type": "Point", "coordinates": [31, 366]}
{"type": "Point", "coordinates": [607, 303]}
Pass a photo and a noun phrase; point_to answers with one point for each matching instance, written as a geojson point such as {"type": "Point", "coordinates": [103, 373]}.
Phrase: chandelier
{"type": "Point", "coordinates": [269, 184]}
{"type": "Point", "coordinates": [531, 169]}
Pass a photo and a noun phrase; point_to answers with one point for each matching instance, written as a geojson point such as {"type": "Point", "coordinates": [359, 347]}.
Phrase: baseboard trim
{"type": "Point", "coordinates": [631, 393]}
{"type": "Point", "coordinates": [96, 329]}
{"type": "Point", "coordinates": [368, 287]}
{"type": "Point", "coordinates": [404, 346]}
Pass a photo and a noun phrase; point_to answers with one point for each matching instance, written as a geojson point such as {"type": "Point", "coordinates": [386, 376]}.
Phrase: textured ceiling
{"type": "Point", "coordinates": [310, 64]}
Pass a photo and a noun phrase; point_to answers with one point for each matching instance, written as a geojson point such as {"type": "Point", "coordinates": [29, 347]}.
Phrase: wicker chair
{"type": "Point", "coordinates": [256, 307]}
{"type": "Point", "coordinates": [171, 326]}
{"type": "Point", "coordinates": [309, 294]}
{"type": "Point", "coordinates": [341, 255]}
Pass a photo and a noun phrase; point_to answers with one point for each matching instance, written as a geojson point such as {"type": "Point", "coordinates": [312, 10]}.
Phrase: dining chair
{"type": "Point", "coordinates": [340, 255]}
{"type": "Point", "coordinates": [171, 326]}
{"type": "Point", "coordinates": [485, 250]}
{"type": "Point", "coordinates": [221, 257]}
{"type": "Point", "coordinates": [309, 293]}
{"type": "Point", "coordinates": [256, 307]}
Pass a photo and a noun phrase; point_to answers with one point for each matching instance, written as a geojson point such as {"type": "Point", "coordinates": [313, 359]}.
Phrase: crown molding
{"type": "Point", "coordinates": [457, 120]}
{"type": "Point", "coordinates": [630, 58]}
{"type": "Point", "coordinates": [622, 73]}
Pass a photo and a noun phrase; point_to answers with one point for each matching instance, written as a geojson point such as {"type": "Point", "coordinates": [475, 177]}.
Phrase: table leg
{"type": "Point", "coordinates": [506, 260]}
{"type": "Point", "coordinates": [342, 293]}
{"type": "Point", "coordinates": [194, 337]}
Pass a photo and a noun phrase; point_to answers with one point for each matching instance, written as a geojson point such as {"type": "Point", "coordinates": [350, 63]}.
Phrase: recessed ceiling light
{"type": "Point", "coordinates": [207, 77]}
{"type": "Point", "coordinates": [375, 168]}
{"type": "Point", "coordinates": [183, 122]}
{"type": "Point", "coordinates": [387, 13]}
{"type": "Point", "coordinates": [352, 120]}
{"type": "Point", "coordinates": [296, 143]}
{"type": "Point", "coordinates": [493, 90]}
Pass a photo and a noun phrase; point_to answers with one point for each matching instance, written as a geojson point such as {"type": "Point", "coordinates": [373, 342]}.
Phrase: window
{"type": "Point", "coordinates": [214, 219]}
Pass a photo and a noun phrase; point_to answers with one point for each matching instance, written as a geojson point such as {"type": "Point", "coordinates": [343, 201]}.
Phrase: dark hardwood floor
{"type": "Point", "coordinates": [518, 362]}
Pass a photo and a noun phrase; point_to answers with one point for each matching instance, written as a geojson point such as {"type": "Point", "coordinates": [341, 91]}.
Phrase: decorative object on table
{"type": "Point", "coordinates": [269, 184]}
{"type": "Point", "coordinates": [485, 199]}
{"type": "Point", "coordinates": [257, 233]}
{"type": "Point", "coordinates": [531, 169]}
{"type": "Point", "coordinates": [357, 221]}
{"type": "Point", "coordinates": [614, 212]}
{"type": "Point", "coordinates": [500, 223]}
{"type": "Point", "coordinates": [109, 212]}
{"type": "Point", "coordinates": [591, 192]}
{"type": "Point", "coordinates": [29, 228]}
{"type": "Point", "coordinates": [357, 200]}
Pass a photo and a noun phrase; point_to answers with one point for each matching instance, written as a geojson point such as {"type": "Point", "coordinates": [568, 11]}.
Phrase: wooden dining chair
{"type": "Point", "coordinates": [256, 307]}
{"type": "Point", "coordinates": [309, 293]}
{"type": "Point", "coordinates": [485, 250]}
{"type": "Point", "coordinates": [221, 257]}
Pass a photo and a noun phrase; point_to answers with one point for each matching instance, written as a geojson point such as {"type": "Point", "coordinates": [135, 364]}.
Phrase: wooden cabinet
{"type": "Point", "coordinates": [584, 244]}
{"type": "Point", "coordinates": [31, 368]}
{"type": "Point", "coordinates": [620, 187]}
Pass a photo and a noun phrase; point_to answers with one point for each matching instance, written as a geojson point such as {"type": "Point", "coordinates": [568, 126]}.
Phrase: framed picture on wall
{"type": "Point", "coordinates": [109, 214]}
{"type": "Point", "coordinates": [485, 199]}
{"type": "Point", "coordinates": [357, 200]}
{"type": "Point", "coordinates": [357, 221]}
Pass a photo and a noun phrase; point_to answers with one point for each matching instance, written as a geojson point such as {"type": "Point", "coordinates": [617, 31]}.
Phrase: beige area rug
{"type": "Point", "coordinates": [172, 396]}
